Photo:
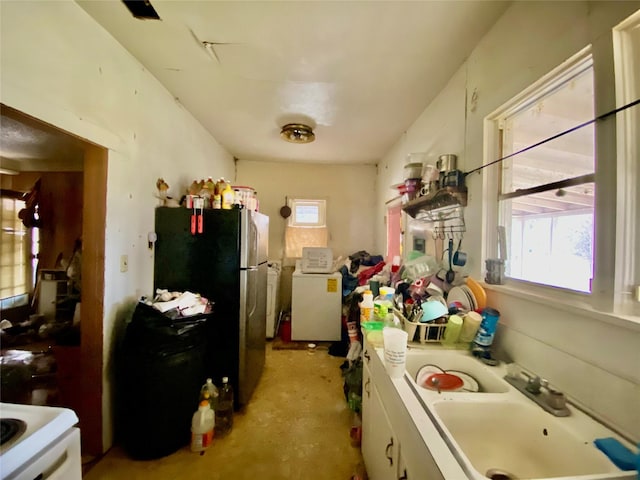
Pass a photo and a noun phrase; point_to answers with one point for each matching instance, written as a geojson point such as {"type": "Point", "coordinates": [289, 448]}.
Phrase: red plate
{"type": "Point", "coordinates": [443, 381]}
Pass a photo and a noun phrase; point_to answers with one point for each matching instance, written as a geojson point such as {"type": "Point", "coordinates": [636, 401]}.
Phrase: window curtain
{"type": "Point", "coordinates": [298, 237]}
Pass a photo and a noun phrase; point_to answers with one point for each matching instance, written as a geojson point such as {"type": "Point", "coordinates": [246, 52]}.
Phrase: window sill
{"type": "Point", "coordinates": [569, 302]}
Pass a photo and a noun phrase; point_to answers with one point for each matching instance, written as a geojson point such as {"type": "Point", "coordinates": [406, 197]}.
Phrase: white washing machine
{"type": "Point", "coordinates": [273, 295]}
{"type": "Point", "coordinates": [316, 306]}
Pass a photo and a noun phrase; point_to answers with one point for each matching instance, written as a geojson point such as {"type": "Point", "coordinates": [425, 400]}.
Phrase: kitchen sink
{"type": "Point", "coordinates": [459, 361]}
{"type": "Point", "coordinates": [514, 440]}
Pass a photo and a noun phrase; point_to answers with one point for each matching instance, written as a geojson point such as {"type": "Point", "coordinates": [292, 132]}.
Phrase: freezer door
{"type": "Point", "coordinates": [253, 312]}
{"type": "Point", "coordinates": [254, 238]}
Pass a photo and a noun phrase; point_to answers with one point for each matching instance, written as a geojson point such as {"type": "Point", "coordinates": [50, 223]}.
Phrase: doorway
{"type": "Point", "coordinates": [85, 372]}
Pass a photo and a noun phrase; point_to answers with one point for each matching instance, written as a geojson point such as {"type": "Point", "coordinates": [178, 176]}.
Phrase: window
{"type": "Point", "coordinates": [307, 213]}
{"type": "Point", "coordinates": [306, 226]}
{"type": "Point", "coordinates": [547, 192]}
{"type": "Point", "coordinates": [627, 64]}
{"type": "Point", "coordinates": [15, 265]}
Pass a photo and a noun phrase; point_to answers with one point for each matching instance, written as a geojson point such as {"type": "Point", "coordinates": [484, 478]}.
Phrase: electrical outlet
{"type": "Point", "coordinates": [124, 263]}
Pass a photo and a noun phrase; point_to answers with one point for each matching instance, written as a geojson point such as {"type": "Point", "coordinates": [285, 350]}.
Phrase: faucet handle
{"type": "Point", "coordinates": [533, 384]}
{"type": "Point", "coordinates": [556, 399]}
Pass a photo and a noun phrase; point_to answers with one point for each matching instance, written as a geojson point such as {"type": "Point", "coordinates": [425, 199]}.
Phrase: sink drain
{"type": "Point", "coordinates": [498, 474]}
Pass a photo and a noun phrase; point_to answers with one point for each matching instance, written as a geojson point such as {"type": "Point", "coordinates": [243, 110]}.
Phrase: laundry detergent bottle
{"type": "Point", "coordinates": [202, 424]}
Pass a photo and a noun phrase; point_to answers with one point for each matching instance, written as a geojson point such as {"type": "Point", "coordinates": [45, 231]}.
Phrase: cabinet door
{"type": "Point", "coordinates": [379, 445]}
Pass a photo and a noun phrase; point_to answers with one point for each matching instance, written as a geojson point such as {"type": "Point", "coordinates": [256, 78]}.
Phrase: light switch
{"type": "Point", "coordinates": [124, 263]}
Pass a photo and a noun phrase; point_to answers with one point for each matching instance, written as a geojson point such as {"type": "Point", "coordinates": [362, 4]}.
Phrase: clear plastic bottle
{"type": "Point", "coordinates": [210, 393]}
{"type": "Point", "coordinates": [224, 410]}
{"type": "Point", "coordinates": [366, 307]}
{"type": "Point", "coordinates": [383, 305]}
{"type": "Point", "coordinates": [202, 424]}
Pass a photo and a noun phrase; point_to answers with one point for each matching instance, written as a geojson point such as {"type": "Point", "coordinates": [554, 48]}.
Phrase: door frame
{"type": "Point", "coordinates": [91, 365]}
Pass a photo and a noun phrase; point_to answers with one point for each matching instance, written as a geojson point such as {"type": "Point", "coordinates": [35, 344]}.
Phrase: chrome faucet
{"type": "Point", "coordinates": [538, 390]}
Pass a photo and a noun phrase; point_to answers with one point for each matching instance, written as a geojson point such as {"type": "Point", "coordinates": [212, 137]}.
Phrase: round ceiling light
{"type": "Point", "coordinates": [297, 133]}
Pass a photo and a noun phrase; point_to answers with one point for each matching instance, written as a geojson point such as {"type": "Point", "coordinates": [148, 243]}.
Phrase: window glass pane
{"type": "Point", "coordinates": [307, 213]}
{"type": "Point", "coordinates": [13, 259]}
{"type": "Point", "coordinates": [550, 232]}
{"type": "Point", "coordinates": [552, 249]}
{"type": "Point", "coordinates": [569, 156]}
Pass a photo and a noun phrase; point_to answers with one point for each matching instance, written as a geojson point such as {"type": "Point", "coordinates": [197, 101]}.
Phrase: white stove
{"type": "Point", "coordinates": [45, 446]}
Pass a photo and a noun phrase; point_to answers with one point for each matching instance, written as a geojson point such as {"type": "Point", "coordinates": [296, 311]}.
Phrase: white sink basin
{"type": "Point", "coordinates": [518, 440]}
{"type": "Point", "coordinates": [488, 380]}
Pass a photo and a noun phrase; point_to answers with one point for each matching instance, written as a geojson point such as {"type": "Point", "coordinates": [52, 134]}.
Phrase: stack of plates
{"type": "Point", "coordinates": [478, 292]}
{"type": "Point", "coordinates": [463, 296]}
{"type": "Point", "coordinates": [470, 296]}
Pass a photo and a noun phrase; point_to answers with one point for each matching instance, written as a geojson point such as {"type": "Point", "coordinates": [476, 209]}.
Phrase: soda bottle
{"type": "Point", "coordinates": [224, 409]}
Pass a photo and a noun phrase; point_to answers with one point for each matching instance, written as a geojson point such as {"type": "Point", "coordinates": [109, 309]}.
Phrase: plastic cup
{"type": "Point", "coordinates": [395, 351]}
{"type": "Point", "coordinates": [470, 326]}
{"type": "Point", "coordinates": [452, 330]}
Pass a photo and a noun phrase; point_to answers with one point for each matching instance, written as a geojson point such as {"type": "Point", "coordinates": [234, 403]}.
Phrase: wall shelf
{"type": "Point", "coordinates": [441, 205]}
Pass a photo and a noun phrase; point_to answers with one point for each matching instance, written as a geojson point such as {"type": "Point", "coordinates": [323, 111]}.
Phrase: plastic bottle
{"type": "Point", "coordinates": [366, 307]}
{"type": "Point", "coordinates": [224, 411]}
{"type": "Point", "coordinates": [209, 392]}
{"type": "Point", "coordinates": [227, 197]}
{"type": "Point", "coordinates": [383, 305]}
{"type": "Point", "coordinates": [202, 425]}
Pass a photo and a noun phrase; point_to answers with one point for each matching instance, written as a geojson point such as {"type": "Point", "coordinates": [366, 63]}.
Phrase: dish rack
{"type": "Point", "coordinates": [424, 332]}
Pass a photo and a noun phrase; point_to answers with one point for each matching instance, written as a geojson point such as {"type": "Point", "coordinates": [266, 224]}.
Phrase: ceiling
{"type": "Point", "coordinates": [359, 72]}
{"type": "Point", "coordinates": [27, 144]}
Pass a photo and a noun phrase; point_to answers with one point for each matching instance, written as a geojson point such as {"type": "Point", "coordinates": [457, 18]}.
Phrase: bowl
{"type": "Point", "coordinates": [432, 310]}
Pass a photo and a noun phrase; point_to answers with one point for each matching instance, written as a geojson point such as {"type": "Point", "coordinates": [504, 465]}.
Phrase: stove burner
{"type": "Point", "coordinates": [11, 429]}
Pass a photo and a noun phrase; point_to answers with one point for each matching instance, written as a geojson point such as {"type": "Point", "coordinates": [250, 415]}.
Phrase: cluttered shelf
{"type": "Point", "coordinates": [440, 205]}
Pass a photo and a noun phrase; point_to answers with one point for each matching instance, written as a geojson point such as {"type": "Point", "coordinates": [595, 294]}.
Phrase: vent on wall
{"type": "Point", "coordinates": [142, 9]}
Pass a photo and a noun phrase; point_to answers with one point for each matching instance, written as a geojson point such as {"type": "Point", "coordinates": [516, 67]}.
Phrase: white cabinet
{"type": "Point", "coordinates": [51, 293]}
{"type": "Point", "coordinates": [379, 444]}
{"type": "Point", "coordinates": [392, 446]}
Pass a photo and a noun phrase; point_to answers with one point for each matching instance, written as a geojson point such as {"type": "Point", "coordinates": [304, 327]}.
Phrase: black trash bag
{"type": "Point", "coordinates": [352, 373]}
{"type": "Point", "coordinates": [160, 369]}
{"type": "Point", "coordinates": [151, 329]}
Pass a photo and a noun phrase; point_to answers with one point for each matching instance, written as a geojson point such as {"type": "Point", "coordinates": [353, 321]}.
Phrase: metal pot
{"type": "Point", "coordinates": [447, 162]}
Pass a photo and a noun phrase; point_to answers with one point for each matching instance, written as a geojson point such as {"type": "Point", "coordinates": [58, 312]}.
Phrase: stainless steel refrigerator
{"type": "Point", "coordinates": [222, 255]}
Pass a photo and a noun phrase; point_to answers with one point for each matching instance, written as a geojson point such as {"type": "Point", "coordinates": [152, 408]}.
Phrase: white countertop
{"type": "Point", "coordinates": [451, 461]}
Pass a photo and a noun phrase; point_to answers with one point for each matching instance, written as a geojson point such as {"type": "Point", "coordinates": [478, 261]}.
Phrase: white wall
{"type": "Point", "coordinates": [593, 357]}
{"type": "Point", "coordinates": [349, 191]}
{"type": "Point", "coordinates": [58, 65]}
{"type": "Point", "coordinates": [350, 195]}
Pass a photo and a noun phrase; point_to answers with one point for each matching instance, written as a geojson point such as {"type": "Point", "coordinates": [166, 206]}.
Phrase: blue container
{"type": "Point", "coordinates": [488, 327]}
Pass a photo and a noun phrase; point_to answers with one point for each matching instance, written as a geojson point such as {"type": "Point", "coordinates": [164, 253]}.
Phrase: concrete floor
{"type": "Point", "coordinates": [296, 426]}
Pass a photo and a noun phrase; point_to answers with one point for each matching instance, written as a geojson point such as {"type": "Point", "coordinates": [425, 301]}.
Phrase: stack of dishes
{"type": "Point", "coordinates": [470, 296]}
{"type": "Point", "coordinates": [462, 295]}
{"type": "Point", "coordinates": [478, 292]}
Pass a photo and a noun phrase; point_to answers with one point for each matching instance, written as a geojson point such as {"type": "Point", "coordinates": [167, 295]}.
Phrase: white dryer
{"type": "Point", "coordinates": [316, 306]}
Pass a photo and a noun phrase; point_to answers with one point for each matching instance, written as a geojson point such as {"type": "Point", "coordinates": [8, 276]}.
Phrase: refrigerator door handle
{"type": "Point", "coordinates": [253, 289]}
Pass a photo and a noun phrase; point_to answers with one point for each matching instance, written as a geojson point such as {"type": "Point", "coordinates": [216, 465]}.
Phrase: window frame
{"type": "Point", "coordinates": [616, 270]}
{"type": "Point", "coordinates": [20, 299]}
{"type": "Point", "coordinates": [538, 92]}
{"type": "Point", "coordinates": [298, 202]}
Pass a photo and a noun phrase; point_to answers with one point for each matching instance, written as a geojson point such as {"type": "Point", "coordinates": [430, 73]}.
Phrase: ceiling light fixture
{"type": "Point", "coordinates": [297, 133]}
